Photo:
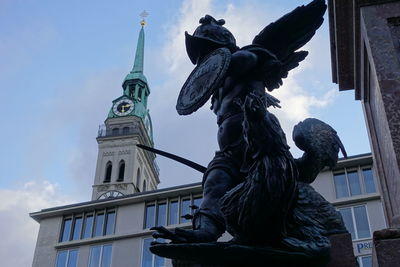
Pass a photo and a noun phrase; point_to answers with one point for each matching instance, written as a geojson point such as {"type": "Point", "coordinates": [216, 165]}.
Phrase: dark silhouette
{"type": "Point", "coordinates": [254, 188]}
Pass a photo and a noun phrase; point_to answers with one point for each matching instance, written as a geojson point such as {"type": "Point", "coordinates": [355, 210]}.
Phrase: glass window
{"type": "Point", "coordinates": [162, 214]}
{"type": "Point", "coordinates": [98, 230]}
{"type": "Point", "coordinates": [347, 216]}
{"type": "Point", "coordinates": [149, 259]}
{"type": "Point", "coordinates": [354, 183]}
{"type": "Point", "coordinates": [66, 230]}
{"type": "Point", "coordinates": [67, 258]}
{"type": "Point", "coordinates": [110, 223]}
{"type": "Point", "coordinates": [173, 212]}
{"type": "Point", "coordinates": [150, 214]}
{"type": "Point", "coordinates": [197, 201]}
{"type": "Point", "coordinates": [365, 261]}
{"type": "Point", "coordinates": [100, 256]}
{"type": "Point", "coordinates": [185, 209]}
{"type": "Point", "coordinates": [356, 221]}
{"type": "Point", "coordinates": [360, 215]}
{"type": "Point", "coordinates": [341, 185]}
{"type": "Point", "coordinates": [77, 228]}
{"type": "Point", "coordinates": [73, 258]}
{"type": "Point", "coordinates": [62, 258]}
{"type": "Point", "coordinates": [369, 181]}
{"type": "Point", "coordinates": [106, 256]}
{"type": "Point", "coordinates": [87, 232]}
{"type": "Point", "coordinates": [94, 259]}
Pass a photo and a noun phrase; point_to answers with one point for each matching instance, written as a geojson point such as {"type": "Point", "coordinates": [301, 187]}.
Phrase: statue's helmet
{"type": "Point", "coordinates": [208, 36]}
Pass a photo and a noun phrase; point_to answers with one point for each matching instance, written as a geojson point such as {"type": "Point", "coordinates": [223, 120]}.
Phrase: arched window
{"type": "Point", "coordinates": [138, 180]}
{"type": "Point", "coordinates": [115, 131]}
{"type": "Point", "coordinates": [107, 177]}
{"type": "Point", "coordinates": [125, 130]}
{"type": "Point", "coordinates": [144, 186]}
{"type": "Point", "coordinates": [121, 171]}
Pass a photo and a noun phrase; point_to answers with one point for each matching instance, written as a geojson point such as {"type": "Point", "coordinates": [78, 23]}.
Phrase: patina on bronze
{"type": "Point", "coordinates": [206, 77]}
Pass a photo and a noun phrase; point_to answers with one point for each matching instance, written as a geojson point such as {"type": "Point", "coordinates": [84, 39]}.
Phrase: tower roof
{"type": "Point", "coordinates": [137, 70]}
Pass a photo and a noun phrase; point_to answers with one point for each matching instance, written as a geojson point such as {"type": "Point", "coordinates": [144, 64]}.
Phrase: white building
{"type": "Point", "coordinates": [113, 228]}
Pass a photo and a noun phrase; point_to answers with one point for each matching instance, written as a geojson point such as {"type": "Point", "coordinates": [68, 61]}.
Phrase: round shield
{"type": "Point", "coordinates": [206, 77]}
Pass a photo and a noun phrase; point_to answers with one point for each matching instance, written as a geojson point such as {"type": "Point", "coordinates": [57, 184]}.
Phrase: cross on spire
{"type": "Point", "coordinates": [143, 15]}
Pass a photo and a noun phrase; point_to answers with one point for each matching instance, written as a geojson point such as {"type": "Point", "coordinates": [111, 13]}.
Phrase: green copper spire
{"type": "Point", "coordinates": [133, 101]}
{"type": "Point", "coordinates": [139, 57]}
{"type": "Point", "coordinates": [137, 70]}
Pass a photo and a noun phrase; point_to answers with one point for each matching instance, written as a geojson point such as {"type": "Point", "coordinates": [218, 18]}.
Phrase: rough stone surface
{"type": "Point", "coordinates": [342, 254]}
{"type": "Point", "coordinates": [387, 247]}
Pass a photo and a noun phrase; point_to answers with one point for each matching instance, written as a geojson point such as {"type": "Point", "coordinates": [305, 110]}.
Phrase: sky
{"type": "Point", "coordinates": [63, 62]}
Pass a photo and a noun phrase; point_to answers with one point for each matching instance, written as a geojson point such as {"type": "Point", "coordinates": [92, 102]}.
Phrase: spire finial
{"type": "Point", "coordinates": [143, 15]}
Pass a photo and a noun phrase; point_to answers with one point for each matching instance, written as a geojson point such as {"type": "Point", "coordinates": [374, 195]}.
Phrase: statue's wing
{"type": "Point", "coordinates": [286, 35]}
{"type": "Point", "coordinates": [320, 144]}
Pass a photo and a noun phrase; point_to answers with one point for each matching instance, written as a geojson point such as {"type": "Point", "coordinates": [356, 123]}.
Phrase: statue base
{"type": "Point", "coordinates": [225, 254]}
{"type": "Point", "coordinates": [387, 248]}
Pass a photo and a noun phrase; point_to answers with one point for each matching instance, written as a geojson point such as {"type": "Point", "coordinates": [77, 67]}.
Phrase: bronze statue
{"type": "Point", "coordinates": [254, 188]}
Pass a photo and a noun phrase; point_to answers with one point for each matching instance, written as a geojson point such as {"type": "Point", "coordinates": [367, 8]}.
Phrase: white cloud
{"type": "Point", "coordinates": [17, 228]}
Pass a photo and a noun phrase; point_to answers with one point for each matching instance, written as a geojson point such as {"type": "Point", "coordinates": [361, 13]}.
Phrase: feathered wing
{"type": "Point", "coordinates": [321, 145]}
{"type": "Point", "coordinates": [286, 35]}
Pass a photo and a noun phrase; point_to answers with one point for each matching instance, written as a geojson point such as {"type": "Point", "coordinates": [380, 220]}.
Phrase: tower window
{"type": "Point", "coordinates": [121, 171]}
{"type": "Point", "coordinates": [144, 185]}
{"type": "Point", "coordinates": [115, 131]}
{"type": "Point", "coordinates": [107, 177]}
{"type": "Point", "coordinates": [138, 180]}
{"type": "Point", "coordinates": [125, 130]}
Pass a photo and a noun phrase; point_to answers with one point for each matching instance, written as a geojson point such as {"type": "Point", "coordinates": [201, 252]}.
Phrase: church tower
{"type": "Point", "coordinates": [122, 168]}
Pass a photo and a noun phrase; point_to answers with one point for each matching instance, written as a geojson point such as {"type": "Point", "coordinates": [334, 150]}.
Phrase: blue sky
{"type": "Point", "coordinates": [63, 62]}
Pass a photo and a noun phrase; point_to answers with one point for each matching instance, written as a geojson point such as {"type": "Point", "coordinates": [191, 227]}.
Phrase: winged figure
{"type": "Point", "coordinates": [253, 187]}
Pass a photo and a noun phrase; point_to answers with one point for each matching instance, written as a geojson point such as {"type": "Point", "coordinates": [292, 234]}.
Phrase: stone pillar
{"type": "Point", "coordinates": [380, 94]}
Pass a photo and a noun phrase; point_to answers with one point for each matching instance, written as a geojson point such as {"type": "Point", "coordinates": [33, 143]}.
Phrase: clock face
{"type": "Point", "coordinates": [110, 194]}
{"type": "Point", "coordinates": [123, 107]}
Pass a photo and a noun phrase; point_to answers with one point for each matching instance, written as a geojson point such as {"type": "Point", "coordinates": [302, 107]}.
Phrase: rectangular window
{"type": "Point", "coordinates": [150, 216]}
{"type": "Point", "coordinates": [87, 232]}
{"type": "Point", "coordinates": [369, 181]}
{"type": "Point", "coordinates": [100, 256]}
{"type": "Point", "coordinates": [354, 182]}
{"type": "Point", "coordinates": [197, 201]}
{"type": "Point", "coordinates": [185, 209]}
{"type": "Point", "coordinates": [173, 213]}
{"type": "Point", "coordinates": [77, 228]}
{"type": "Point", "coordinates": [98, 229]}
{"type": "Point", "coordinates": [67, 258]}
{"type": "Point", "coordinates": [162, 214]}
{"type": "Point", "coordinates": [110, 222]}
{"type": "Point", "coordinates": [356, 222]}
{"type": "Point", "coordinates": [365, 261]}
{"type": "Point", "coordinates": [148, 258]}
{"type": "Point", "coordinates": [88, 224]}
{"type": "Point", "coordinates": [341, 187]}
{"type": "Point", "coordinates": [66, 232]}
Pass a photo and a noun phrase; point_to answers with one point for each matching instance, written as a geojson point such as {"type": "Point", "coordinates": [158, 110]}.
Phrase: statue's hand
{"type": "Point", "coordinates": [179, 235]}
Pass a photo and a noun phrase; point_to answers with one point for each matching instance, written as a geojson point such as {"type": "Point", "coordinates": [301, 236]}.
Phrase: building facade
{"type": "Point", "coordinates": [115, 231]}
